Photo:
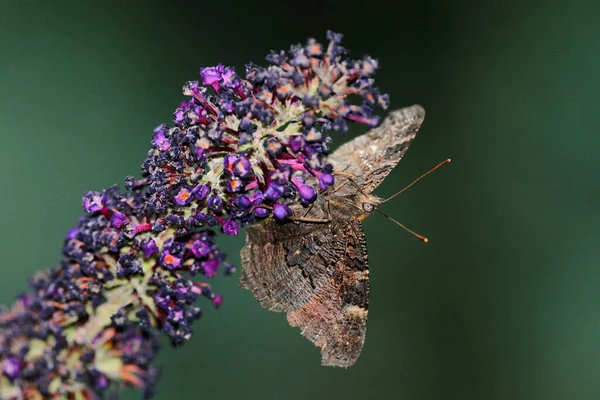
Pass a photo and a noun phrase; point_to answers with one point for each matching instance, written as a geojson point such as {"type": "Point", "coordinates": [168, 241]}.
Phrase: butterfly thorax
{"type": "Point", "coordinates": [346, 202]}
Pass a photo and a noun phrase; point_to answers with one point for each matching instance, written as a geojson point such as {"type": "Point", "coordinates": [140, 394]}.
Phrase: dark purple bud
{"type": "Point", "coordinates": [12, 368]}
{"type": "Point", "coordinates": [308, 120]}
{"type": "Point", "coordinates": [175, 248]}
{"type": "Point", "coordinates": [169, 260]}
{"type": "Point", "coordinates": [100, 380]}
{"type": "Point", "coordinates": [144, 319]}
{"type": "Point", "coordinates": [119, 318]}
{"type": "Point", "coordinates": [158, 227]}
{"type": "Point", "coordinates": [93, 202]}
{"type": "Point", "coordinates": [229, 269]}
{"type": "Point", "coordinates": [215, 76]}
{"type": "Point", "coordinates": [372, 121]}
{"type": "Point", "coordinates": [200, 148]}
{"type": "Point", "coordinates": [190, 88]}
{"type": "Point", "coordinates": [313, 135]}
{"type": "Point", "coordinates": [230, 227]}
{"type": "Point", "coordinates": [242, 201]}
{"type": "Point", "coordinates": [131, 183]}
{"type": "Point", "coordinates": [162, 300]}
{"type": "Point", "coordinates": [307, 193]}
{"type": "Point", "coordinates": [215, 135]}
{"type": "Point", "coordinates": [261, 212]}
{"type": "Point", "coordinates": [257, 198]}
{"type": "Point", "coordinates": [296, 143]}
{"type": "Point", "coordinates": [242, 167]}
{"type": "Point", "coordinates": [281, 211]}
{"type": "Point", "coordinates": [118, 219]}
{"type": "Point", "coordinates": [334, 37]}
{"type": "Point", "coordinates": [182, 286]}
{"type": "Point", "coordinates": [296, 77]}
{"type": "Point", "coordinates": [211, 75]}
{"type": "Point", "coordinates": [200, 248]}
{"type": "Point", "coordinates": [282, 175]}
{"type": "Point", "coordinates": [340, 125]}
{"type": "Point", "coordinates": [313, 161]}
{"type": "Point", "coordinates": [160, 140]}
{"type": "Point", "coordinates": [128, 265]}
{"type": "Point", "coordinates": [383, 101]}
{"type": "Point", "coordinates": [72, 234]}
{"type": "Point", "coordinates": [276, 58]}
{"type": "Point", "coordinates": [274, 191]}
{"type": "Point", "coordinates": [25, 300]}
{"type": "Point", "coordinates": [176, 314]}
{"type": "Point", "coordinates": [273, 146]}
{"type": "Point", "coordinates": [310, 101]}
{"type": "Point", "coordinates": [149, 247]}
{"type": "Point", "coordinates": [183, 196]}
{"type": "Point", "coordinates": [200, 218]}
{"type": "Point", "coordinates": [178, 116]}
{"type": "Point", "coordinates": [173, 220]}
{"type": "Point", "coordinates": [215, 203]}
{"type": "Point", "coordinates": [191, 313]}
{"type": "Point", "coordinates": [210, 267]}
{"type": "Point", "coordinates": [325, 91]}
{"type": "Point", "coordinates": [246, 125]}
{"type": "Point", "coordinates": [200, 191]}
{"type": "Point", "coordinates": [234, 184]}
{"type": "Point", "coordinates": [313, 48]}
{"type": "Point", "coordinates": [217, 300]}
{"type": "Point", "coordinates": [300, 59]}
{"type": "Point", "coordinates": [325, 179]}
{"type": "Point", "coordinates": [244, 138]}
{"type": "Point", "coordinates": [229, 163]}
{"type": "Point", "coordinates": [368, 66]}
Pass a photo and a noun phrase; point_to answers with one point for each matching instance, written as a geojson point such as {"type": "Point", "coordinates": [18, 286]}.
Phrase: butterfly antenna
{"type": "Point", "coordinates": [423, 238]}
{"type": "Point", "coordinates": [413, 182]}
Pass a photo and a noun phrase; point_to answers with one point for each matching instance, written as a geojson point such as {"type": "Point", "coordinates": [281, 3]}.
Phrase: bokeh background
{"type": "Point", "coordinates": [503, 303]}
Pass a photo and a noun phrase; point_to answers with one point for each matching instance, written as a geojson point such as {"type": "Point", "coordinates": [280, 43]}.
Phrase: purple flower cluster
{"type": "Point", "coordinates": [240, 150]}
{"type": "Point", "coordinates": [43, 357]}
{"type": "Point", "coordinates": [119, 283]}
{"type": "Point", "coordinates": [119, 242]}
{"type": "Point", "coordinates": [243, 149]}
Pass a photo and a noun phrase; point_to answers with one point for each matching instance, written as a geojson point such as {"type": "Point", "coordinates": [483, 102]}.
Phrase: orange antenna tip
{"type": "Point", "coordinates": [415, 234]}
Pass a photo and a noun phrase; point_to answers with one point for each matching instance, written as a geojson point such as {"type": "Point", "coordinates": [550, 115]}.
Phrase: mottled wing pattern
{"type": "Point", "coordinates": [336, 318]}
{"type": "Point", "coordinates": [285, 265]}
{"type": "Point", "coordinates": [317, 272]}
{"type": "Point", "coordinates": [371, 157]}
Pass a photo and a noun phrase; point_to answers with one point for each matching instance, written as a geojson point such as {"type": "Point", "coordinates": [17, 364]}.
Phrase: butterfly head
{"type": "Point", "coordinates": [368, 203]}
{"type": "Point", "coordinates": [368, 207]}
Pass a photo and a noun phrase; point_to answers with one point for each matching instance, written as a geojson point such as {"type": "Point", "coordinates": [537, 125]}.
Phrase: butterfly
{"type": "Point", "coordinates": [314, 268]}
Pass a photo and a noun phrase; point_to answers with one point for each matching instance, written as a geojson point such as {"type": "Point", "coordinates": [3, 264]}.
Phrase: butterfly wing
{"type": "Point", "coordinates": [285, 265]}
{"type": "Point", "coordinates": [318, 273]}
{"type": "Point", "coordinates": [371, 157]}
{"type": "Point", "coordinates": [336, 318]}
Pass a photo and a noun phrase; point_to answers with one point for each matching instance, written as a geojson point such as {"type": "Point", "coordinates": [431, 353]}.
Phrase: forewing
{"type": "Point", "coordinates": [336, 318]}
{"type": "Point", "coordinates": [286, 265]}
{"type": "Point", "coordinates": [371, 157]}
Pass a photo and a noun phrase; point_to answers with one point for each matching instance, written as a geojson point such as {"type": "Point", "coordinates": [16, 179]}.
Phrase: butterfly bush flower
{"type": "Point", "coordinates": [238, 151]}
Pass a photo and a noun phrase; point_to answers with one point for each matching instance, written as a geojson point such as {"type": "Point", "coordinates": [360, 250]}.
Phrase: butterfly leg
{"type": "Point", "coordinates": [345, 173]}
{"type": "Point", "coordinates": [352, 178]}
{"type": "Point", "coordinates": [304, 218]}
{"type": "Point", "coordinates": [308, 210]}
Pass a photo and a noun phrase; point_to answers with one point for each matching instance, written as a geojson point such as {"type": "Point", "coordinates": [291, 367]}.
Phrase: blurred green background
{"type": "Point", "coordinates": [503, 303]}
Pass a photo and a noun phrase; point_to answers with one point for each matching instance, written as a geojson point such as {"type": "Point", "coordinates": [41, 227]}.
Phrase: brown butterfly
{"type": "Point", "coordinates": [315, 267]}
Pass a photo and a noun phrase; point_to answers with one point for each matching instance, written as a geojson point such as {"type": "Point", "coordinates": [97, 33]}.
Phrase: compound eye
{"type": "Point", "coordinates": [368, 207]}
